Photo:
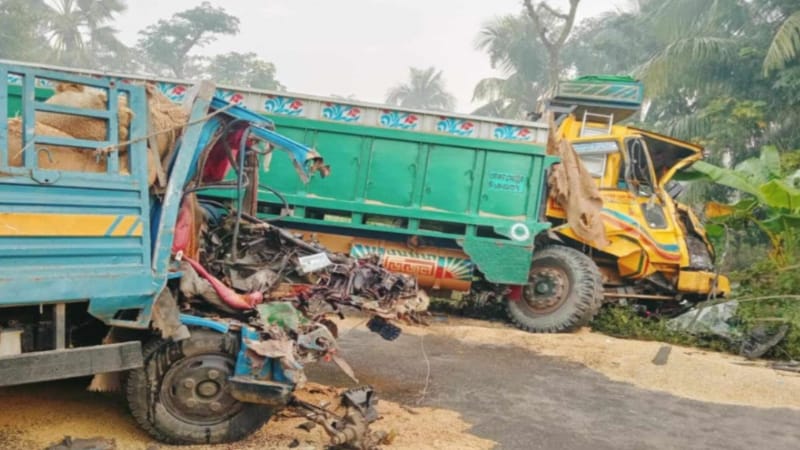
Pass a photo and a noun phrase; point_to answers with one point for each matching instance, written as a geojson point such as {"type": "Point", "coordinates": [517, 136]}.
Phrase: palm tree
{"type": "Point", "coordinates": [425, 89]}
{"type": "Point", "coordinates": [513, 48]}
{"type": "Point", "coordinates": [689, 34]}
{"type": "Point", "coordinates": [785, 45]}
{"type": "Point", "coordinates": [79, 31]}
{"type": "Point", "coordinates": [694, 31]}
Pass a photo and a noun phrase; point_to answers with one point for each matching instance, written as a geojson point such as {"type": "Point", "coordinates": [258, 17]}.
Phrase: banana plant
{"type": "Point", "coordinates": [771, 197]}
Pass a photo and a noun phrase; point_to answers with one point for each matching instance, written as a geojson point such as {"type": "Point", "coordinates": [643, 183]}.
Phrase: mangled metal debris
{"type": "Point", "coordinates": [288, 290]}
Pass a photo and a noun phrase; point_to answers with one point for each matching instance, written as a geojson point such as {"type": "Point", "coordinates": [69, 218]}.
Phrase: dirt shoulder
{"type": "Point", "coordinates": [36, 416]}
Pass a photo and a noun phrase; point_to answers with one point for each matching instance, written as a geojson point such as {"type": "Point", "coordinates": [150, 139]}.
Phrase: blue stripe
{"type": "Point", "coordinates": [133, 227]}
{"type": "Point", "coordinates": [114, 225]}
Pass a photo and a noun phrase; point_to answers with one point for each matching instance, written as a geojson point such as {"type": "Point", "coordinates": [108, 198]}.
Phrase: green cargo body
{"type": "Point", "coordinates": [484, 196]}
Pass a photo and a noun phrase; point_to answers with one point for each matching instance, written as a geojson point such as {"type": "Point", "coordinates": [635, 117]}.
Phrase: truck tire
{"type": "Point", "coordinates": [179, 396]}
{"type": "Point", "coordinates": [564, 293]}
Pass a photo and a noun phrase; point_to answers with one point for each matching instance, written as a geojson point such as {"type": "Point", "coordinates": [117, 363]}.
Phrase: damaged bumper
{"type": "Point", "coordinates": [703, 282]}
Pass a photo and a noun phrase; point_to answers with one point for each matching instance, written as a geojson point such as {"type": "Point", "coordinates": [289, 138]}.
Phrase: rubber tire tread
{"type": "Point", "coordinates": [583, 303]}
{"type": "Point", "coordinates": [139, 381]}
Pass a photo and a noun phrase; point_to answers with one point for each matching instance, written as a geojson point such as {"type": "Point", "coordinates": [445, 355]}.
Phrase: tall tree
{"type": "Point", "coordinates": [425, 89]}
{"type": "Point", "coordinates": [166, 46]}
{"type": "Point", "coordinates": [512, 44]}
{"type": "Point", "coordinates": [615, 42]}
{"type": "Point", "coordinates": [553, 28]}
{"type": "Point", "coordinates": [79, 31]}
{"type": "Point", "coordinates": [243, 69]}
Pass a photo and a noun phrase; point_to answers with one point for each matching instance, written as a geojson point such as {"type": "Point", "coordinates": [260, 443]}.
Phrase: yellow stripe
{"type": "Point", "coordinates": [124, 225]}
{"type": "Point", "coordinates": [77, 225]}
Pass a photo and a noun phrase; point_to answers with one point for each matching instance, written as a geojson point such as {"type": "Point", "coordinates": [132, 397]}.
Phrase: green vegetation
{"type": "Point", "coordinates": [624, 322]}
{"type": "Point", "coordinates": [167, 45]}
{"type": "Point", "coordinates": [773, 286]}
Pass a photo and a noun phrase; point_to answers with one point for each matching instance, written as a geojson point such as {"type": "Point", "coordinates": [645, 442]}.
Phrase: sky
{"type": "Point", "coordinates": [356, 47]}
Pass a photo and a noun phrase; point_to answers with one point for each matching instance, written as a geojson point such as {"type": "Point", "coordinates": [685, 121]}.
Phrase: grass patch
{"type": "Point", "coordinates": [777, 283]}
{"type": "Point", "coordinates": [625, 322]}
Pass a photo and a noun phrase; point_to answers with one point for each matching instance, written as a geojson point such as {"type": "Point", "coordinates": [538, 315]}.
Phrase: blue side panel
{"type": "Point", "coordinates": [70, 235]}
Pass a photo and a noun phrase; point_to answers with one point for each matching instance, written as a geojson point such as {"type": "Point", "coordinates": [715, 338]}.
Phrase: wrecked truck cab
{"type": "Point", "coordinates": [656, 247]}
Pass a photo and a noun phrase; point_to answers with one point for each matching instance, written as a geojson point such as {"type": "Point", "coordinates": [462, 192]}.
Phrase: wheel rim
{"type": "Point", "coordinates": [547, 289]}
{"type": "Point", "coordinates": [194, 389]}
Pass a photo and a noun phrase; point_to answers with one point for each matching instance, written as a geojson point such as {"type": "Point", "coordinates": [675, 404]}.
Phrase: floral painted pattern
{"type": "Point", "coordinates": [513, 133]}
{"type": "Point", "coordinates": [174, 92]}
{"type": "Point", "coordinates": [399, 119]}
{"type": "Point", "coordinates": [342, 113]}
{"type": "Point", "coordinates": [230, 96]}
{"type": "Point", "coordinates": [458, 127]}
{"type": "Point", "coordinates": [283, 105]}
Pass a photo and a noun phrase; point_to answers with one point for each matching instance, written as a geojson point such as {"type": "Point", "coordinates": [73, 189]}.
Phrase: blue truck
{"type": "Point", "coordinates": [87, 258]}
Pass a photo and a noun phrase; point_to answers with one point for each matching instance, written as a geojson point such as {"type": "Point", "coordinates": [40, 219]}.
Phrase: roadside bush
{"type": "Point", "coordinates": [774, 283]}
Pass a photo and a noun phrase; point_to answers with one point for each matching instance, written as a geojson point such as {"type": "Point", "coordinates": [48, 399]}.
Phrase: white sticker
{"type": "Point", "coordinates": [520, 232]}
{"type": "Point", "coordinates": [313, 263]}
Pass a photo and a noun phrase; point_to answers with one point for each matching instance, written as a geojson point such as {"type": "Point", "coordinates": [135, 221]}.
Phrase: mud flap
{"type": "Point", "coordinates": [249, 390]}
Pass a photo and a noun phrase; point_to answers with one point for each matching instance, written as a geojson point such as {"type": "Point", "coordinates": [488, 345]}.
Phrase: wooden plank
{"type": "Point", "coordinates": [75, 362]}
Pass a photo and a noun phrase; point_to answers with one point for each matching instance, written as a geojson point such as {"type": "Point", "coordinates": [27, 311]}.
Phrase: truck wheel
{"type": "Point", "coordinates": [564, 292]}
{"type": "Point", "coordinates": [179, 396]}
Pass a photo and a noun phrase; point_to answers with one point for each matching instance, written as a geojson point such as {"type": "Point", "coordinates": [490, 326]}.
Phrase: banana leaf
{"type": "Point", "coordinates": [727, 177]}
{"type": "Point", "coordinates": [779, 194]}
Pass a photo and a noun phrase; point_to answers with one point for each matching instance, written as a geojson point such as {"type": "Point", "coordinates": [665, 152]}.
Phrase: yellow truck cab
{"type": "Point", "coordinates": [657, 249]}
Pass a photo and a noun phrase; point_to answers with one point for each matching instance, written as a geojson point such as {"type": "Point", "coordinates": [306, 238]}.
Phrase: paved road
{"type": "Point", "coordinates": [527, 401]}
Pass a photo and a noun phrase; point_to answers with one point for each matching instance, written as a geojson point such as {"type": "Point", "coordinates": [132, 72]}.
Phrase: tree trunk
{"type": "Point", "coordinates": [554, 70]}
